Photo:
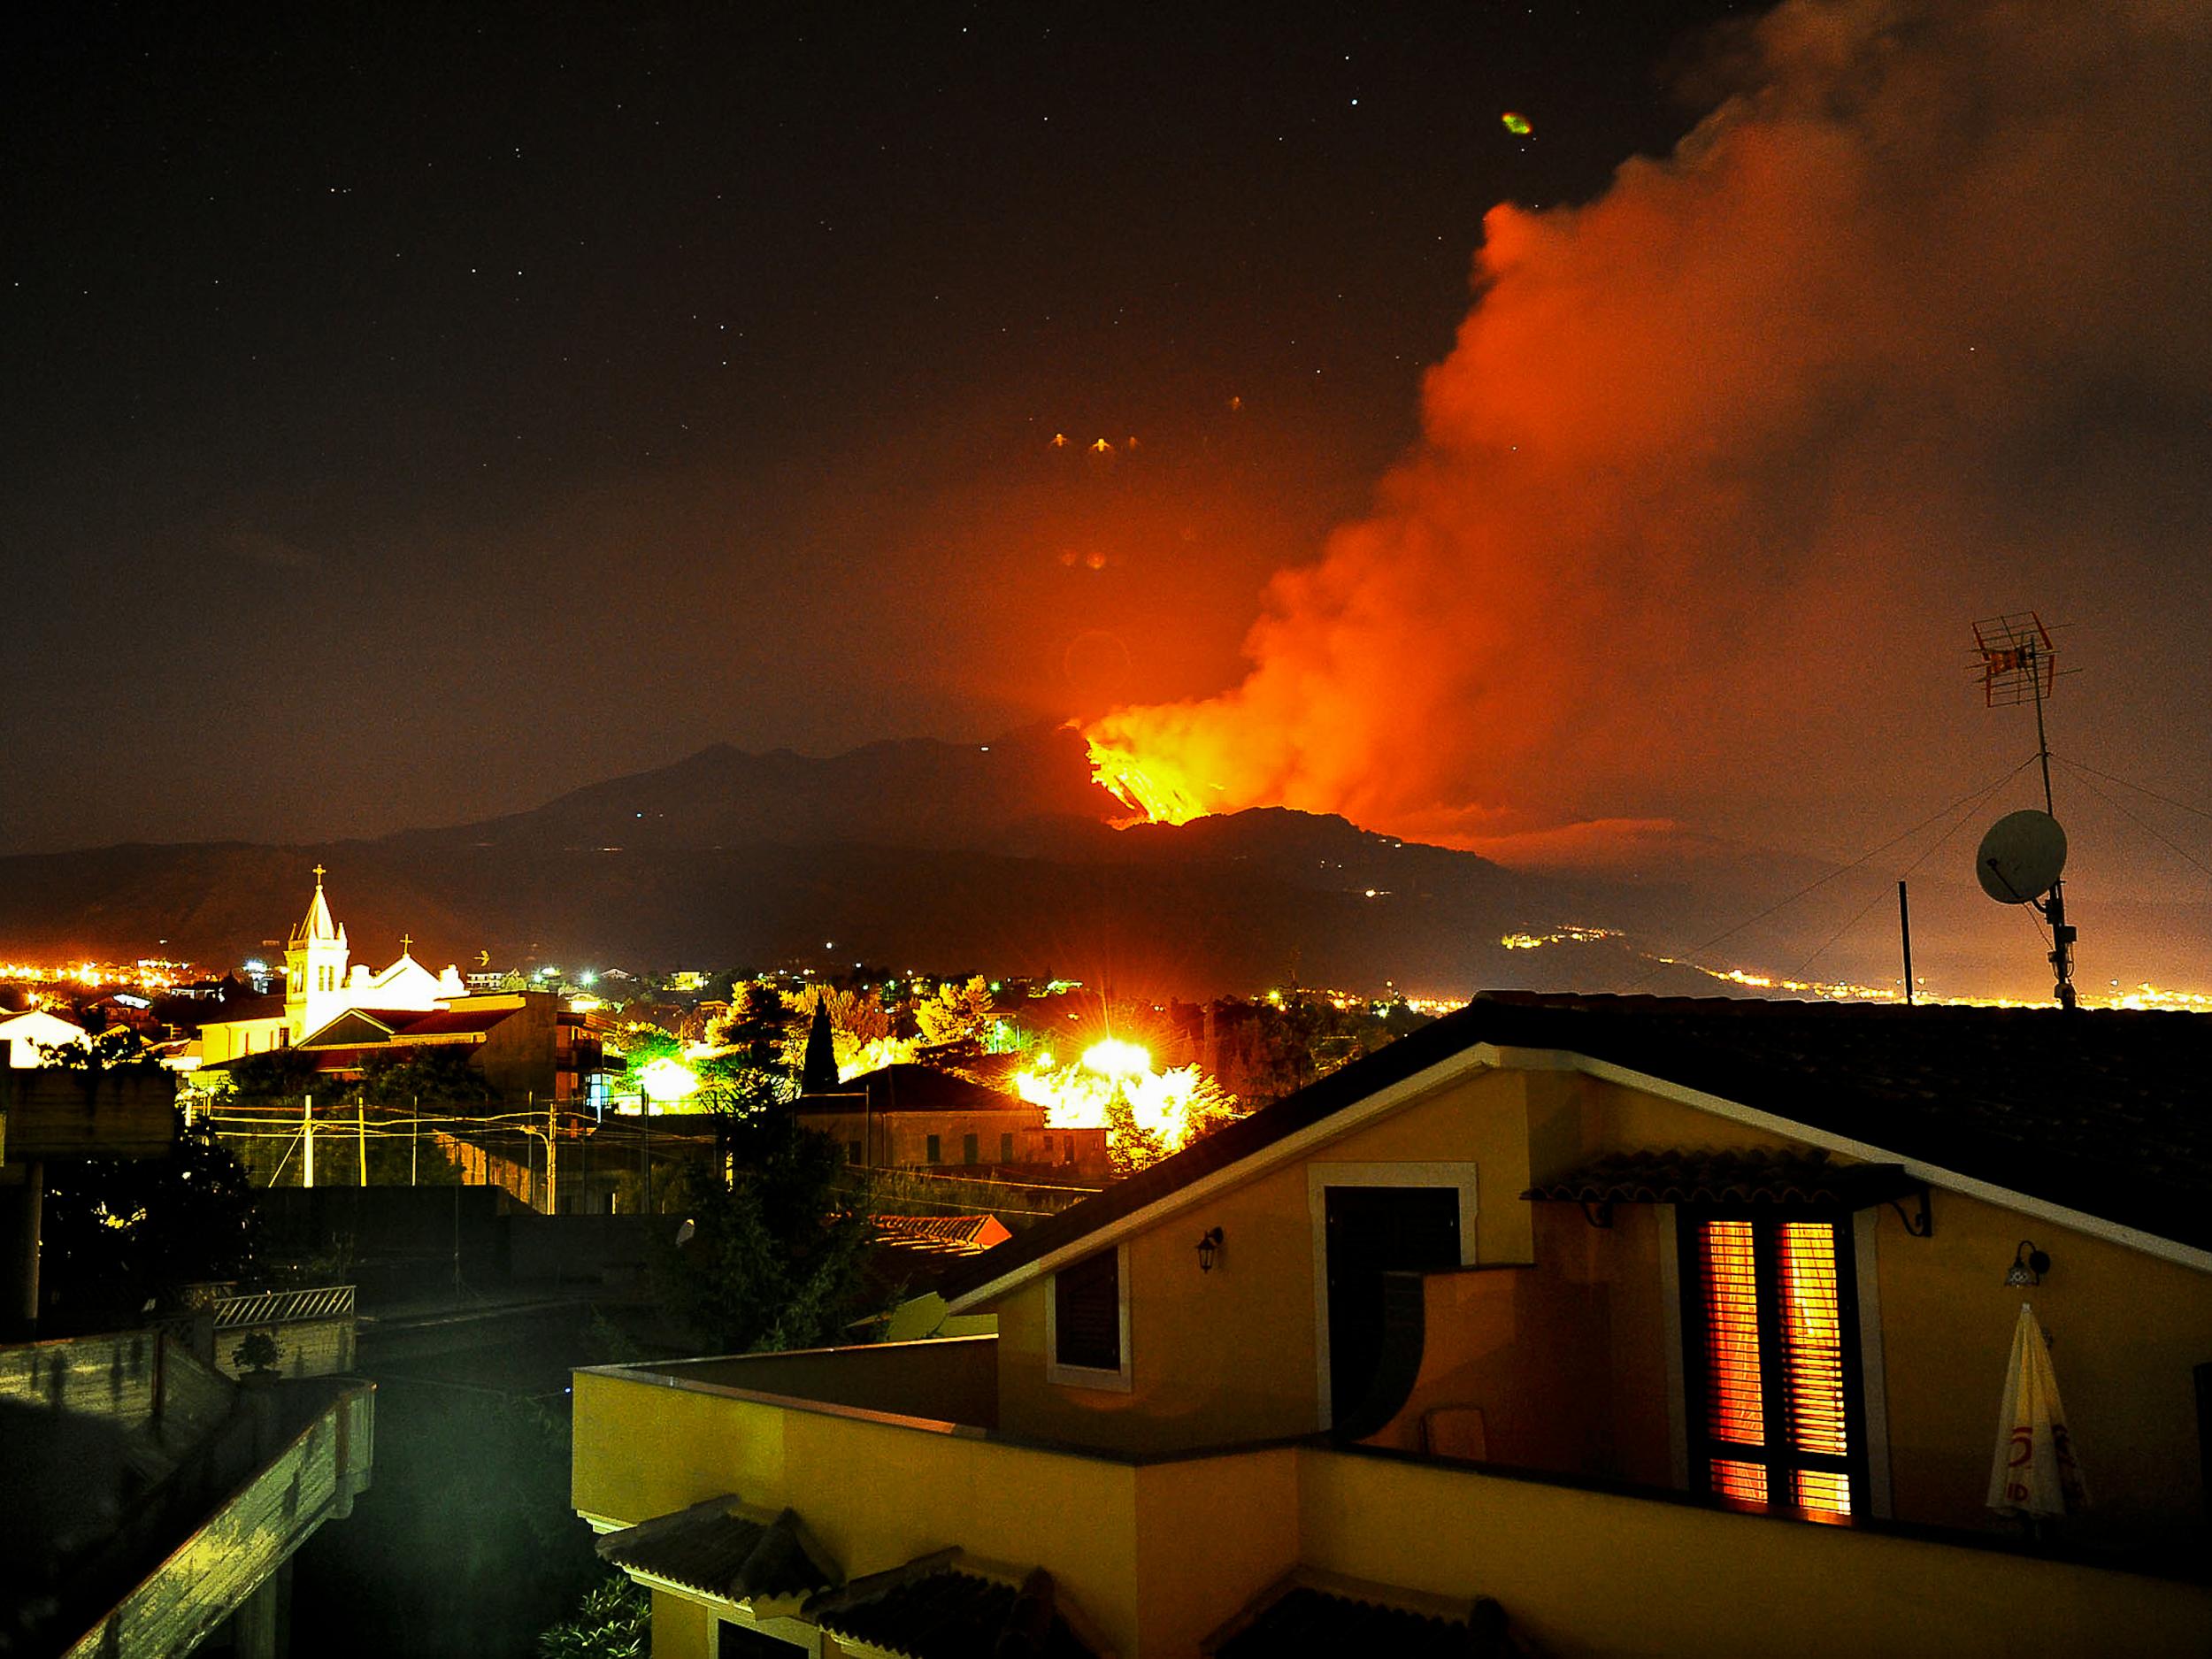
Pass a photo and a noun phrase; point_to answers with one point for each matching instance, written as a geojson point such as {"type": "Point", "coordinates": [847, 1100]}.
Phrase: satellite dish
{"type": "Point", "coordinates": [2022, 856]}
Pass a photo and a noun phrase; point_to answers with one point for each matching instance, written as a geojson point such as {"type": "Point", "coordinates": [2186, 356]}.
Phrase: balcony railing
{"type": "Point", "coordinates": [284, 1307]}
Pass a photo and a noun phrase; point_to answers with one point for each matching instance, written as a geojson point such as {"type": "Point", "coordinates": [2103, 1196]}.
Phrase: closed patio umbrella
{"type": "Point", "coordinates": [2034, 1474]}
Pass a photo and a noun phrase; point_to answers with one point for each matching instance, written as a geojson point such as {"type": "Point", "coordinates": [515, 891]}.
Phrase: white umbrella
{"type": "Point", "coordinates": [2034, 1474]}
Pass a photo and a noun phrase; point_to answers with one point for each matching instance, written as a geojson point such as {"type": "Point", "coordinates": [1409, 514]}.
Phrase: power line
{"type": "Point", "coordinates": [2137, 788]}
{"type": "Point", "coordinates": [1979, 793]}
{"type": "Point", "coordinates": [1934, 846]}
{"type": "Point", "coordinates": [2179, 851]}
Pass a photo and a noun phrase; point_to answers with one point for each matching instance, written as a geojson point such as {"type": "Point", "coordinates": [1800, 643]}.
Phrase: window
{"type": "Point", "coordinates": [930, 1150]}
{"type": "Point", "coordinates": [967, 1149]}
{"type": "Point", "coordinates": [1005, 1147]}
{"type": "Point", "coordinates": [1087, 1323]}
{"type": "Point", "coordinates": [1770, 1360]}
{"type": "Point", "coordinates": [852, 1152]}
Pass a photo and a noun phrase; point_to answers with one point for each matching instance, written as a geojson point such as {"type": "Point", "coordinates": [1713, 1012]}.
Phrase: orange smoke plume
{"type": "Point", "coordinates": [1798, 389]}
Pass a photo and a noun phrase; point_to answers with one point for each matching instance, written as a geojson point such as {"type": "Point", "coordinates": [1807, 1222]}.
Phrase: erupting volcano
{"type": "Point", "coordinates": [1828, 375]}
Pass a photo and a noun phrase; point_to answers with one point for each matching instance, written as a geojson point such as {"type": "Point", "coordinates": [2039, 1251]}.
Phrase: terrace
{"type": "Point", "coordinates": [891, 1452]}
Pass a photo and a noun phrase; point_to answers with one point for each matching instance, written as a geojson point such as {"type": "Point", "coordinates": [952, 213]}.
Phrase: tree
{"type": "Point", "coordinates": [257, 1353]}
{"type": "Point", "coordinates": [432, 1076]}
{"type": "Point", "coordinates": [957, 1013]}
{"type": "Point", "coordinates": [281, 1074]}
{"type": "Point", "coordinates": [120, 1232]}
{"type": "Point", "coordinates": [776, 1252]}
{"type": "Point", "coordinates": [614, 1621]}
{"type": "Point", "coordinates": [862, 1030]}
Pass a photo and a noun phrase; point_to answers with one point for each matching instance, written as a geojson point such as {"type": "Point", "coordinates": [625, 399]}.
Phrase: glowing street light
{"type": "Point", "coordinates": [668, 1080]}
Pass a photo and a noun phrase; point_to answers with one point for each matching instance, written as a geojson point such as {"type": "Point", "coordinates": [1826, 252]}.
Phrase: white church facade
{"type": "Point", "coordinates": [321, 982]}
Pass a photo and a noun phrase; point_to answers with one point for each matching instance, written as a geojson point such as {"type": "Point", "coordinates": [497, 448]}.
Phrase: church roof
{"type": "Point", "coordinates": [316, 927]}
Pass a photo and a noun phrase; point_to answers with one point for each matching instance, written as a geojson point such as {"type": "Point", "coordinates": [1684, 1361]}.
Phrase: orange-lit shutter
{"type": "Point", "coordinates": [1771, 1357]}
{"type": "Point", "coordinates": [1812, 1347]}
{"type": "Point", "coordinates": [1734, 1407]}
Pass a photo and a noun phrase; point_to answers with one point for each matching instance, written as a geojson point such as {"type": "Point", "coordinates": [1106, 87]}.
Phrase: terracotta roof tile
{"type": "Point", "coordinates": [722, 1547]}
{"type": "Point", "coordinates": [949, 1613]}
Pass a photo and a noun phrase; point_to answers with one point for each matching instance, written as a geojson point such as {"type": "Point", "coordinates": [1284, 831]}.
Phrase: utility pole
{"type": "Point", "coordinates": [552, 1181]}
{"type": "Point", "coordinates": [1904, 929]}
{"type": "Point", "coordinates": [307, 1118]}
{"type": "Point", "coordinates": [361, 1132]}
{"type": "Point", "coordinates": [414, 1144]}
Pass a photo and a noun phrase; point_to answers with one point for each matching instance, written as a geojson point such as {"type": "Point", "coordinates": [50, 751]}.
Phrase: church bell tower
{"type": "Point", "coordinates": [314, 965]}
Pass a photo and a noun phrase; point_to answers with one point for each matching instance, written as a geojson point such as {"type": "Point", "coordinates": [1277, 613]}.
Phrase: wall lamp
{"type": "Point", "coordinates": [1209, 1247]}
{"type": "Point", "coordinates": [2029, 1265]}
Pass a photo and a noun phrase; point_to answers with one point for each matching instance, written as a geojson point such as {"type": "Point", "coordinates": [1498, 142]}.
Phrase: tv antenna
{"type": "Point", "coordinates": [2022, 857]}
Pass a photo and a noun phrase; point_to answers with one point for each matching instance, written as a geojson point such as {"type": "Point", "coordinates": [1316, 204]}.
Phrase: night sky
{"type": "Point", "coordinates": [412, 416]}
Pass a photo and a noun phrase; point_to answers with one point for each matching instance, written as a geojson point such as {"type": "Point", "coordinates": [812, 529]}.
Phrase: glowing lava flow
{"type": "Point", "coordinates": [1146, 1114]}
{"type": "Point", "coordinates": [1149, 791]}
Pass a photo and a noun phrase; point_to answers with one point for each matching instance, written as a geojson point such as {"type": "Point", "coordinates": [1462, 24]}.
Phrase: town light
{"type": "Point", "coordinates": [1116, 1058]}
{"type": "Point", "coordinates": [667, 1079]}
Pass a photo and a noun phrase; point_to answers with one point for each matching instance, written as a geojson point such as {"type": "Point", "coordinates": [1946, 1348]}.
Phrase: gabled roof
{"type": "Point", "coordinates": [2107, 1114]}
{"type": "Point", "coordinates": [722, 1548]}
{"type": "Point", "coordinates": [358, 1026]}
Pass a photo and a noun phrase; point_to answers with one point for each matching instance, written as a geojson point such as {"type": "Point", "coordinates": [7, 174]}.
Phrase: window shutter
{"type": "Point", "coordinates": [1734, 1406]}
{"type": "Point", "coordinates": [1812, 1348]}
{"type": "Point", "coordinates": [1772, 1353]}
{"type": "Point", "coordinates": [1087, 1313]}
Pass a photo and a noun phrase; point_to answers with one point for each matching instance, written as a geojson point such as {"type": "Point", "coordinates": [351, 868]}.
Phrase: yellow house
{"type": "Point", "coordinates": [1569, 1326]}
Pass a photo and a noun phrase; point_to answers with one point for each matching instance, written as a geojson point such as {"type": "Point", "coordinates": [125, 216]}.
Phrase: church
{"type": "Point", "coordinates": [321, 983]}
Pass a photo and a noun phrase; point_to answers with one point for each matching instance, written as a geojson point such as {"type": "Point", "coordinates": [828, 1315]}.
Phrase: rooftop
{"type": "Point", "coordinates": [2103, 1112]}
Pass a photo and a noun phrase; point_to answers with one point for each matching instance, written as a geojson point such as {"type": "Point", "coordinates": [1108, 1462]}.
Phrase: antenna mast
{"type": "Point", "coordinates": [2019, 665]}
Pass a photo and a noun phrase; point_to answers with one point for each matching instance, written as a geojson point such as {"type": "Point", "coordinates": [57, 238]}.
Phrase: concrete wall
{"type": "Point", "coordinates": [116, 1376]}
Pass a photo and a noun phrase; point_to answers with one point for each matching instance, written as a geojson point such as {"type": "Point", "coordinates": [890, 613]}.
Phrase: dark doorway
{"type": "Point", "coordinates": [1372, 1231]}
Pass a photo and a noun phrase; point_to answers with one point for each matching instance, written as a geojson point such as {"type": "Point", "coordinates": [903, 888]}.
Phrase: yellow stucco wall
{"type": "Point", "coordinates": [1592, 1573]}
{"type": "Point", "coordinates": [682, 1629]}
{"type": "Point", "coordinates": [1230, 1354]}
{"type": "Point", "coordinates": [2126, 1331]}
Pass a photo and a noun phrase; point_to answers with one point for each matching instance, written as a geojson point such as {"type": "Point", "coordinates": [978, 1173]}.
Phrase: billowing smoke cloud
{"type": "Point", "coordinates": [1913, 328]}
